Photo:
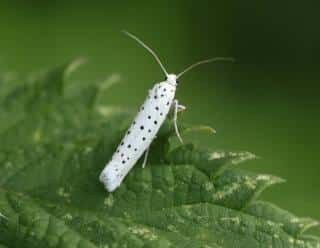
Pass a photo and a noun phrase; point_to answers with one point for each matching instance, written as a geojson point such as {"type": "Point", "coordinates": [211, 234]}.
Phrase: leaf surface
{"type": "Point", "coordinates": [55, 142]}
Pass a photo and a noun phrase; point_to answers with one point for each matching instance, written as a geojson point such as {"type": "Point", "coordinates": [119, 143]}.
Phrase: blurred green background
{"type": "Point", "coordinates": [266, 103]}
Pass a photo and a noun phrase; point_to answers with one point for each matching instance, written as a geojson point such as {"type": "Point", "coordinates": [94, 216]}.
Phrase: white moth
{"type": "Point", "coordinates": [146, 124]}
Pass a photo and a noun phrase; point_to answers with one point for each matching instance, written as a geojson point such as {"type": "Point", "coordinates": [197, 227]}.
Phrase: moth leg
{"type": "Point", "coordinates": [181, 108]}
{"type": "Point", "coordinates": [145, 158]}
{"type": "Point", "coordinates": [175, 115]}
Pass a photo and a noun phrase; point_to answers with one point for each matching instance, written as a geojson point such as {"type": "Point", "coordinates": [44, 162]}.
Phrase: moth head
{"type": "Point", "coordinates": [172, 79]}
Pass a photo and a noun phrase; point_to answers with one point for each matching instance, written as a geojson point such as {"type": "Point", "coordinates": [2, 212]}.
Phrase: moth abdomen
{"type": "Point", "coordinates": [111, 176]}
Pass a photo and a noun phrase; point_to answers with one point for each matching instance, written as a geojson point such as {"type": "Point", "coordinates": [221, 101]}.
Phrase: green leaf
{"type": "Point", "coordinates": [55, 140]}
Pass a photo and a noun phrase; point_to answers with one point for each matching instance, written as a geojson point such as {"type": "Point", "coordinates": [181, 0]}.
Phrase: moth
{"type": "Point", "coordinates": [146, 124]}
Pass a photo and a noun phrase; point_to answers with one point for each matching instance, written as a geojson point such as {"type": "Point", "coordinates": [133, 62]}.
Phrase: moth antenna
{"type": "Point", "coordinates": [148, 49]}
{"type": "Point", "coordinates": [216, 59]}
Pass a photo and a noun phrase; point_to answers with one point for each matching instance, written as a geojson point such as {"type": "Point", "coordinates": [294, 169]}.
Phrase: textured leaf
{"type": "Point", "coordinates": [55, 142]}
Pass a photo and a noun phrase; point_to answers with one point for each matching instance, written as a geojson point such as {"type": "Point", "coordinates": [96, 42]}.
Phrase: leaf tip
{"type": "Point", "coordinates": [2, 216]}
{"type": "Point", "coordinates": [240, 157]}
{"type": "Point", "coordinates": [200, 128]}
{"type": "Point", "coordinates": [306, 223]}
{"type": "Point", "coordinates": [269, 179]}
{"type": "Point", "coordinates": [111, 80]}
{"type": "Point", "coordinates": [74, 65]}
